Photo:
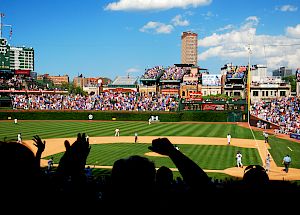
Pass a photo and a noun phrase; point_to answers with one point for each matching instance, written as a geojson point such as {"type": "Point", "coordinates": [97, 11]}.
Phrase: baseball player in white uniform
{"type": "Point", "coordinates": [268, 161]}
{"type": "Point", "coordinates": [117, 132]}
{"type": "Point", "coordinates": [239, 159]}
{"type": "Point", "coordinates": [19, 138]}
{"type": "Point", "coordinates": [228, 138]}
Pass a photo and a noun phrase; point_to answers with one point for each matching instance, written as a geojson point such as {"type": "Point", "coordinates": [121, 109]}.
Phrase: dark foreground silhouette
{"type": "Point", "coordinates": [134, 186]}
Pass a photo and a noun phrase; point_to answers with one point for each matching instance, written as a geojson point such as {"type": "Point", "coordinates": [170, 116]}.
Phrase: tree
{"type": "Point", "coordinates": [292, 80]}
{"type": "Point", "coordinates": [73, 90]}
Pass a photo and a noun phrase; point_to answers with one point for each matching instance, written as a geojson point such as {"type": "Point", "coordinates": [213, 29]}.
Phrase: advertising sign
{"type": "Point", "coordinates": [211, 80]}
{"type": "Point", "coordinates": [213, 107]}
{"type": "Point", "coordinates": [298, 75]}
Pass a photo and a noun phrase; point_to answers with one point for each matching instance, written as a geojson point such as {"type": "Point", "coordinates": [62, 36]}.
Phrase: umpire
{"type": "Point", "coordinates": [286, 161]}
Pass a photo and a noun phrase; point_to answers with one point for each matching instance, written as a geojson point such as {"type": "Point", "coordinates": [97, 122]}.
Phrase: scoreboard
{"type": "Point", "coordinates": [4, 55]}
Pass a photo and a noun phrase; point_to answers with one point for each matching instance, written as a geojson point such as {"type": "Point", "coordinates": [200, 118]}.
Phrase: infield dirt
{"type": "Point", "coordinates": [54, 146]}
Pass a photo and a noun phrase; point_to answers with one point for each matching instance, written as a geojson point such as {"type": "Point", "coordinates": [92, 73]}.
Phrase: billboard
{"type": "Point", "coordinates": [22, 72]}
{"type": "Point", "coordinates": [211, 80]}
{"type": "Point", "coordinates": [213, 107]}
{"type": "Point", "coordinates": [298, 75]}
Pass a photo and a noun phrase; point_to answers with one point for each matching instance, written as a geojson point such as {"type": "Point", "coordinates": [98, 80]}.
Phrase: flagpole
{"type": "Point", "coordinates": [248, 85]}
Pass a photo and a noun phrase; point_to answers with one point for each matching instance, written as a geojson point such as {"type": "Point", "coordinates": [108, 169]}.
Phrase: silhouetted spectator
{"type": "Point", "coordinates": [20, 181]}
{"type": "Point", "coordinates": [192, 174]}
{"type": "Point", "coordinates": [40, 148]}
{"type": "Point", "coordinates": [133, 181]}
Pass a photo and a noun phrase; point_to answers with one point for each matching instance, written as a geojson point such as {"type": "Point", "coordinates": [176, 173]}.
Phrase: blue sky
{"type": "Point", "coordinates": [108, 38]}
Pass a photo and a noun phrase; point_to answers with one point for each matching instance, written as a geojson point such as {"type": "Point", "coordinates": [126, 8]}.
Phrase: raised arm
{"type": "Point", "coordinates": [72, 163]}
{"type": "Point", "coordinates": [192, 174]}
{"type": "Point", "coordinates": [40, 148]}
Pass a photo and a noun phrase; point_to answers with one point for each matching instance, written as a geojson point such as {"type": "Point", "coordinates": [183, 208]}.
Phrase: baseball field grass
{"type": "Point", "coordinates": [207, 156]}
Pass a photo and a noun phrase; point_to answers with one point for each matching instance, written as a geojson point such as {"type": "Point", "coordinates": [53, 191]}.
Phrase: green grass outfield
{"type": "Point", "coordinates": [208, 157]}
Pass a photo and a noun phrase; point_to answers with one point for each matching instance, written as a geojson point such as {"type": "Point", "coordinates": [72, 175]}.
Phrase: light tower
{"type": "Point", "coordinates": [248, 83]}
{"type": "Point", "coordinates": [4, 25]}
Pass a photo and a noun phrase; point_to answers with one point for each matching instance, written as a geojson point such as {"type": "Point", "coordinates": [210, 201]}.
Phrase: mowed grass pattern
{"type": "Point", "coordinates": [61, 129]}
{"type": "Point", "coordinates": [208, 157]}
{"type": "Point", "coordinates": [65, 129]}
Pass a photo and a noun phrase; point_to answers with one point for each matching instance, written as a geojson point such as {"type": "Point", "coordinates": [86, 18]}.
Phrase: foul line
{"type": "Point", "coordinates": [290, 148]}
{"type": "Point", "coordinates": [258, 148]}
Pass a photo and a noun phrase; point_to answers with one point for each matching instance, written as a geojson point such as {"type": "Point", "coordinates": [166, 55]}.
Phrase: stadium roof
{"type": "Point", "coordinates": [125, 80]}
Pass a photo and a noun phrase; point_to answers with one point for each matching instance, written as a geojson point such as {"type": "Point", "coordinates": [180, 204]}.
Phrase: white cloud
{"type": "Point", "coordinates": [208, 15]}
{"type": "Point", "coordinates": [225, 28]}
{"type": "Point", "coordinates": [293, 31]}
{"type": "Point", "coordinates": [287, 8]}
{"type": "Point", "coordinates": [179, 21]}
{"type": "Point", "coordinates": [126, 5]}
{"type": "Point", "coordinates": [131, 70]}
{"type": "Point", "coordinates": [250, 22]}
{"type": "Point", "coordinates": [157, 28]}
{"type": "Point", "coordinates": [273, 51]}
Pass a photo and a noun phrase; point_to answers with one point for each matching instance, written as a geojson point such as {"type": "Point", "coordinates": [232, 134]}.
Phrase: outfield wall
{"type": "Point", "coordinates": [200, 116]}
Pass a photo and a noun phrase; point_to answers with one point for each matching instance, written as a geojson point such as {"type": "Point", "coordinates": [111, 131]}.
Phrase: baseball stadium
{"type": "Point", "coordinates": [170, 135]}
{"type": "Point", "coordinates": [198, 126]}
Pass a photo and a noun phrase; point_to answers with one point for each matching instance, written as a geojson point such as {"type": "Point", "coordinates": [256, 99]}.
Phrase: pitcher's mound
{"type": "Point", "coordinates": [153, 154]}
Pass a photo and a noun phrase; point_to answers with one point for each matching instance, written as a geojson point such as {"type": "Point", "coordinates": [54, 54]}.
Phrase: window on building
{"type": "Point", "coordinates": [271, 93]}
{"type": "Point", "coordinates": [263, 93]}
{"type": "Point", "coordinates": [255, 93]}
{"type": "Point", "coordinates": [183, 93]}
{"type": "Point", "coordinates": [267, 93]}
{"type": "Point", "coordinates": [237, 94]}
{"type": "Point", "coordinates": [282, 93]}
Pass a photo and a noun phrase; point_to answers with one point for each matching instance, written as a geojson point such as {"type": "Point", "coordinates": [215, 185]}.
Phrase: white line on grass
{"type": "Point", "coordinates": [290, 149]}
{"type": "Point", "coordinates": [258, 148]}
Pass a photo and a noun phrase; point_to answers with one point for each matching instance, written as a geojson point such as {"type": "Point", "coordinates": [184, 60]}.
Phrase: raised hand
{"type": "Point", "coordinates": [192, 174]}
{"type": "Point", "coordinates": [162, 146]}
{"type": "Point", "coordinates": [74, 159]}
{"type": "Point", "coordinates": [39, 143]}
{"type": "Point", "coordinates": [40, 148]}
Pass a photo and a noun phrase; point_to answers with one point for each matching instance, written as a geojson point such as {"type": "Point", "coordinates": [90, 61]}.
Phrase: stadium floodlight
{"type": "Point", "coordinates": [248, 82]}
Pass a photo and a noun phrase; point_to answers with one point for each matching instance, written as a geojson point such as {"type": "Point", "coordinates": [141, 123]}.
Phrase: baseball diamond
{"type": "Point", "coordinates": [188, 135]}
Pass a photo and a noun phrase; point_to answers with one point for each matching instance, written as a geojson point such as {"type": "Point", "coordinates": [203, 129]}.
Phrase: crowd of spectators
{"type": "Point", "coordinates": [104, 101]}
{"type": "Point", "coordinates": [170, 73]}
{"type": "Point", "coordinates": [236, 72]}
{"type": "Point", "coordinates": [283, 112]}
{"type": "Point", "coordinates": [152, 73]}
{"type": "Point", "coordinates": [174, 73]}
{"type": "Point", "coordinates": [16, 82]}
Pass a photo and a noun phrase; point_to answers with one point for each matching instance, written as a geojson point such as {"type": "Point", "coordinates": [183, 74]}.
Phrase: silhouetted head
{"type": "Point", "coordinates": [18, 170]}
{"type": "Point", "coordinates": [255, 176]}
{"type": "Point", "coordinates": [16, 160]}
{"type": "Point", "coordinates": [134, 173]}
{"type": "Point", "coordinates": [164, 177]}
